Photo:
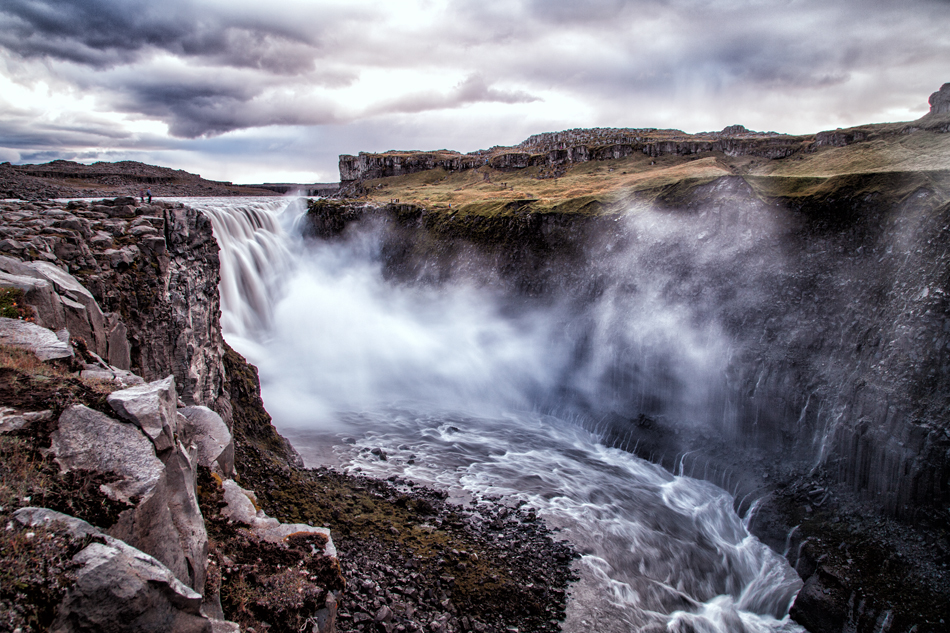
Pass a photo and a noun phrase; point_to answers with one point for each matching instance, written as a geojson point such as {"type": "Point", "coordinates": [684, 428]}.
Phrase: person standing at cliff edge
{"type": "Point", "coordinates": [142, 195]}
{"type": "Point", "coordinates": [148, 192]}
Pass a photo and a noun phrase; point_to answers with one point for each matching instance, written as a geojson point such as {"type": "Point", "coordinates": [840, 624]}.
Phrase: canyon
{"type": "Point", "coordinates": [735, 333]}
{"type": "Point", "coordinates": [820, 260]}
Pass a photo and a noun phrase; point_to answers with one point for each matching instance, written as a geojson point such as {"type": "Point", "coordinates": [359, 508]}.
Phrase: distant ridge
{"type": "Point", "coordinates": [556, 150]}
{"type": "Point", "coordinates": [68, 179]}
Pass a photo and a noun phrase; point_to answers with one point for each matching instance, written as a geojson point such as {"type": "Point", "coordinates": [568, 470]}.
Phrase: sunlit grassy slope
{"type": "Point", "coordinates": [612, 185]}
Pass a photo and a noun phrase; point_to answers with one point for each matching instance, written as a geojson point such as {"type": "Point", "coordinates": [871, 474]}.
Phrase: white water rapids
{"type": "Point", "coordinates": [444, 380]}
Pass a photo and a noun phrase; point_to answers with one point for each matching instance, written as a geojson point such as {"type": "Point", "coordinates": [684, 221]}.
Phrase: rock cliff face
{"type": "Point", "coordinates": [122, 455]}
{"type": "Point", "coordinates": [398, 163]}
{"type": "Point", "coordinates": [145, 265]}
{"type": "Point", "coordinates": [574, 146]}
{"type": "Point", "coordinates": [940, 100]}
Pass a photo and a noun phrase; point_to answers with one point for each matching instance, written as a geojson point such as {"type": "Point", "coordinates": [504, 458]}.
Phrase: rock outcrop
{"type": "Point", "coordinates": [573, 146]}
{"type": "Point", "coordinates": [110, 271]}
{"type": "Point", "coordinates": [940, 100]}
{"type": "Point", "coordinates": [139, 450]}
{"type": "Point", "coordinates": [118, 588]}
{"type": "Point", "coordinates": [39, 340]}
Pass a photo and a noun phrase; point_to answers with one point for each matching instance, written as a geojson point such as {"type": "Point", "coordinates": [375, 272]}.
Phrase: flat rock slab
{"type": "Point", "coordinates": [25, 335]}
{"type": "Point", "coordinates": [11, 420]}
{"type": "Point", "coordinates": [89, 440]}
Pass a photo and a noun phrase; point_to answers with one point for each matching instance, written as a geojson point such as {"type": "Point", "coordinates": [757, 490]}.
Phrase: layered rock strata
{"type": "Point", "coordinates": [560, 149]}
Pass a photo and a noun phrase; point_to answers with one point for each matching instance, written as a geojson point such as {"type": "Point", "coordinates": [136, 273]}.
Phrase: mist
{"type": "Point", "coordinates": [332, 331]}
{"type": "Point", "coordinates": [459, 381]}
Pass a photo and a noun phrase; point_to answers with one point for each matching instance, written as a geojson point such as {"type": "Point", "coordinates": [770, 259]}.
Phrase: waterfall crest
{"type": "Point", "coordinates": [255, 254]}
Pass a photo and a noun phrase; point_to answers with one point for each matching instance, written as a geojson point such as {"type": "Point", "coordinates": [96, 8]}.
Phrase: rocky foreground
{"type": "Point", "coordinates": [143, 488]}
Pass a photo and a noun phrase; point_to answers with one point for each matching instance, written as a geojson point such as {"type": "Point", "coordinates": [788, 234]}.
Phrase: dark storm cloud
{"type": "Point", "coordinates": [106, 33]}
{"type": "Point", "coordinates": [208, 106]}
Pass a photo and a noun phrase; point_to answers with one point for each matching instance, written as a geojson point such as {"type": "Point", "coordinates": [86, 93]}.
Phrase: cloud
{"type": "Point", "coordinates": [107, 33]}
{"type": "Point", "coordinates": [212, 68]}
{"type": "Point", "coordinates": [474, 89]}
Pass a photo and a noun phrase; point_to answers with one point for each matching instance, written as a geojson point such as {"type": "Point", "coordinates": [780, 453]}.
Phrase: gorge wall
{"type": "Point", "coordinates": [123, 450]}
{"type": "Point", "coordinates": [835, 306]}
{"type": "Point", "coordinates": [815, 311]}
{"type": "Point", "coordinates": [556, 150]}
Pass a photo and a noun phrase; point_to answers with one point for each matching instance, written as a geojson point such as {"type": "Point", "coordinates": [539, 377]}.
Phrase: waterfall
{"type": "Point", "coordinates": [255, 255]}
{"type": "Point", "coordinates": [448, 381]}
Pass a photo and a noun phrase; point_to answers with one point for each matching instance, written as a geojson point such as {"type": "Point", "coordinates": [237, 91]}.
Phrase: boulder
{"type": "Point", "coordinates": [164, 520]}
{"type": "Point", "coordinates": [152, 407]}
{"type": "Point", "coordinates": [241, 508]}
{"type": "Point", "coordinates": [101, 239]}
{"type": "Point", "coordinates": [38, 293]}
{"type": "Point", "coordinates": [118, 587]}
{"type": "Point", "coordinates": [154, 245]}
{"type": "Point", "coordinates": [42, 342]}
{"type": "Point", "coordinates": [85, 319]}
{"type": "Point", "coordinates": [92, 441]}
{"type": "Point", "coordinates": [122, 211]}
{"type": "Point", "coordinates": [215, 445]}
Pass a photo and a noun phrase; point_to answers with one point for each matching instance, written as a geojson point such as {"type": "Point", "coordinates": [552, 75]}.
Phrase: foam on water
{"type": "Point", "coordinates": [446, 382]}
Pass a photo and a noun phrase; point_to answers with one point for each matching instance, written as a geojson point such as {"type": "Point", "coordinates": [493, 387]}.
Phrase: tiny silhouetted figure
{"type": "Point", "coordinates": [148, 192]}
{"type": "Point", "coordinates": [142, 195]}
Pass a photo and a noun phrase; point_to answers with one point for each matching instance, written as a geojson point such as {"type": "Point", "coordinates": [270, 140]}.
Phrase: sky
{"type": "Point", "coordinates": [250, 91]}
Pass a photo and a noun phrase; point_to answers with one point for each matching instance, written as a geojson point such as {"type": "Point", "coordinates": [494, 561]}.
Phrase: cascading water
{"type": "Point", "coordinates": [446, 380]}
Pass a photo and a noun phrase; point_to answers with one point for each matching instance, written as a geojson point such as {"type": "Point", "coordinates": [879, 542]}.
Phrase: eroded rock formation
{"type": "Point", "coordinates": [121, 453]}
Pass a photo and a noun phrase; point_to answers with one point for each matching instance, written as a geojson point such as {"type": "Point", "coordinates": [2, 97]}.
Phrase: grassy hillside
{"type": "Point", "coordinates": [610, 186]}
